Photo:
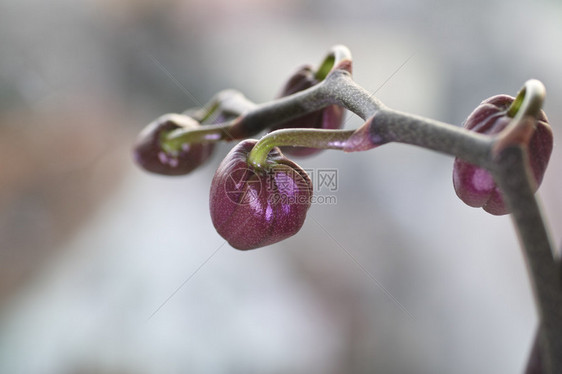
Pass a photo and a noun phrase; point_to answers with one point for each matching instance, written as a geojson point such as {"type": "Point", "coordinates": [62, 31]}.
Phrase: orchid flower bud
{"type": "Point", "coordinates": [476, 186]}
{"type": "Point", "coordinates": [330, 117]}
{"type": "Point", "coordinates": [150, 155]}
{"type": "Point", "coordinates": [253, 208]}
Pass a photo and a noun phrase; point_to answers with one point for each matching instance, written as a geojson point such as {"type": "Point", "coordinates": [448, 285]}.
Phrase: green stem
{"type": "Point", "coordinates": [325, 68]}
{"type": "Point", "coordinates": [525, 110]}
{"type": "Point", "coordinates": [228, 103]}
{"type": "Point", "coordinates": [311, 138]}
{"type": "Point", "coordinates": [173, 141]}
{"type": "Point", "coordinates": [211, 109]}
{"type": "Point", "coordinates": [204, 114]}
{"type": "Point", "coordinates": [337, 54]}
{"type": "Point", "coordinates": [530, 98]}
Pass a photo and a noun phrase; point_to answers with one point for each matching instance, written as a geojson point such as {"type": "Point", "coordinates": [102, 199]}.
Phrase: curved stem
{"type": "Point", "coordinates": [341, 89]}
{"type": "Point", "coordinates": [337, 55]}
{"type": "Point", "coordinates": [514, 176]}
{"type": "Point", "coordinates": [312, 138]}
{"type": "Point", "coordinates": [233, 103]}
{"type": "Point", "coordinates": [174, 140]}
{"type": "Point", "coordinates": [513, 173]}
{"type": "Point", "coordinates": [525, 111]}
{"type": "Point", "coordinates": [224, 105]}
{"type": "Point", "coordinates": [256, 118]}
{"type": "Point", "coordinates": [530, 98]}
{"type": "Point", "coordinates": [389, 125]}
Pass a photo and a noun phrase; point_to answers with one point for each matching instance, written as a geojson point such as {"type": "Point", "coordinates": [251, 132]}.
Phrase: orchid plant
{"type": "Point", "coordinates": [259, 196]}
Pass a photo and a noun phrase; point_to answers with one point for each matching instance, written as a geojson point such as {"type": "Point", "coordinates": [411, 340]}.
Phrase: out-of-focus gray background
{"type": "Point", "coordinates": [397, 277]}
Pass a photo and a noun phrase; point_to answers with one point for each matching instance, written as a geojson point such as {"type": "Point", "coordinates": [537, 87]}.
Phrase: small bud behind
{"type": "Point", "coordinates": [150, 155]}
{"type": "Point", "coordinates": [476, 186]}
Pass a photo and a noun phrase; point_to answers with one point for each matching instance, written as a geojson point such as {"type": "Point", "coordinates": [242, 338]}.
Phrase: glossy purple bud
{"type": "Point", "coordinates": [331, 117]}
{"type": "Point", "coordinates": [476, 186]}
{"type": "Point", "coordinates": [148, 152]}
{"type": "Point", "coordinates": [252, 208]}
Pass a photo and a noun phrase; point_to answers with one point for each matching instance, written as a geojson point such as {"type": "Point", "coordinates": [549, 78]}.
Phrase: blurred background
{"type": "Point", "coordinates": [107, 269]}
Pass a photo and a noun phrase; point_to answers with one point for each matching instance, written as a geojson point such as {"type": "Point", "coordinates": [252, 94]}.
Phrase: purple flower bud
{"type": "Point", "coordinates": [331, 117]}
{"type": "Point", "coordinates": [148, 152]}
{"type": "Point", "coordinates": [476, 186]}
{"type": "Point", "coordinates": [252, 208]}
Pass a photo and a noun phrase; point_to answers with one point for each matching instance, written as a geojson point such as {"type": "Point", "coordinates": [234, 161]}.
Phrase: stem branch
{"type": "Point", "coordinates": [504, 155]}
{"type": "Point", "coordinates": [514, 176]}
